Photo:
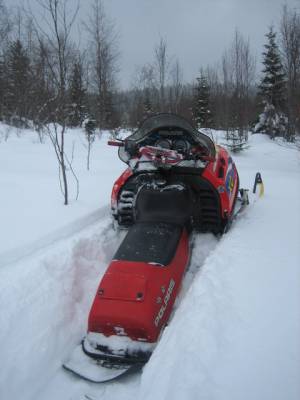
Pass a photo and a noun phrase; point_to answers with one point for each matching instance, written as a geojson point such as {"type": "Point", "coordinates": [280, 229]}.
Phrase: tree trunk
{"type": "Point", "coordinates": [63, 166]}
{"type": "Point", "coordinates": [88, 155]}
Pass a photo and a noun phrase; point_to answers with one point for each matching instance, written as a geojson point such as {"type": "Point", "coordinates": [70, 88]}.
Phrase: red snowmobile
{"type": "Point", "coordinates": [177, 181]}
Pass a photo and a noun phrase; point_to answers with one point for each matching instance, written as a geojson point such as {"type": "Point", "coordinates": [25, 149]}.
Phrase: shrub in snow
{"type": "Point", "coordinates": [237, 140]}
{"type": "Point", "coordinates": [271, 122]}
{"type": "Point", "coordinates": [89, 126]}
{"type": "Point", "coordinates": [77, 104]}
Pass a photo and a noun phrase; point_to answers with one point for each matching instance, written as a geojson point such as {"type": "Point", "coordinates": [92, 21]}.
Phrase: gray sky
{"type": "Point", "coordinates": [196, 31]}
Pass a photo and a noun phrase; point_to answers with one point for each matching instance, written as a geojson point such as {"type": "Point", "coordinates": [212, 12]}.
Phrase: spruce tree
{"type": "Point", "coordinates": [272, 86]}
{"type": "Point", "coordinates": [147, 105]}
{"type": "Point", "coordinates": [105, 111]}
{"type": "Point", "coordinates": [42, 92]}
{"type": "Point", "coordinates": [18, 83]}
{"type": "Point", "coordinates": [272, 120]}
{"type": "Point", "coordinates": [77, 96]}
{"type": "Point", "coordinates": [201, 110]}
{"type": "Point", "coordinates": [108, 110]}
{"type": "Point", "coordinates": [2, 88]}
{"type": "Point", "coordinates": [89, 125]}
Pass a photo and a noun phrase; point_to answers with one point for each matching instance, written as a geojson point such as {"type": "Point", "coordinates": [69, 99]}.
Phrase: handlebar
{"type": "Point", "coordinates": [115, 143]}
{"type": "Point", "coordinates": [160, 155]}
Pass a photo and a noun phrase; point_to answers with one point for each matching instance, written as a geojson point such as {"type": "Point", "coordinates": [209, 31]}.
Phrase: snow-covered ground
{"type": "Point", "coordinates": [31, 200]}
{"type": "Point", "coordinates": [236, 331]}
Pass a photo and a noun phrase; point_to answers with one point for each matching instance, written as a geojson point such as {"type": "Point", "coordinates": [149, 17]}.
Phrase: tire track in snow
{"type": "Point", "coordinates": [17, 254]}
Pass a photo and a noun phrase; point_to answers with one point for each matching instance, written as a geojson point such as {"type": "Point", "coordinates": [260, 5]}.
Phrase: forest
{"type": "Point", "coordinates": [150, 185]}
{"type": "Point", "coordinates": [46, 76]}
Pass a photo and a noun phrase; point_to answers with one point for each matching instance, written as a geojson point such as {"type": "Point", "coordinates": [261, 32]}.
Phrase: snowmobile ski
{"type": "Point", "coordinates": [96, 371]}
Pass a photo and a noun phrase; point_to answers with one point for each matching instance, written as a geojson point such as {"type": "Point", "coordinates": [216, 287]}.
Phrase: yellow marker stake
{"type": "Point", "coordinates": [259, 182]}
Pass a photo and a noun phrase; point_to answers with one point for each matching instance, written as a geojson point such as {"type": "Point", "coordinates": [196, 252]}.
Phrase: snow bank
{"type": "Point", "coordinates": [31, 204]}
{"type": "Point", "coordinates": [237, 332]}
{"type": "Point", "coordinates": [44, 303]}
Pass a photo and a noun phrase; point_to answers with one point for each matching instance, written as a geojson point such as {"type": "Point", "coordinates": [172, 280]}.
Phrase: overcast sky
{"type": "Point", "coordinates": [196, 31]}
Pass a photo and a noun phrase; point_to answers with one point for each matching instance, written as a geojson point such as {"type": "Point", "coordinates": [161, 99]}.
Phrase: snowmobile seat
{"type": "Point", "coordinates": [150, 242]}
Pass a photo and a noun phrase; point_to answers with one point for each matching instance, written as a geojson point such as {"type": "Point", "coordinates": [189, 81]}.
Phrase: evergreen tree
{"type": "Point", "coordinates": [108, 110]}
{"type": "Point", "coordinates": [272, 90]}
{"type": "Point", "coordinates": [147, 105]}
{"type": "Point", "coordinates": [272, 86]}
{"type": "Point", "coordinates": [2, 87]}
{"type": "Point", "coordinates": [271, 122]}
{"type": "Point", "coordinates": [42, 90]}
{"type": "Point", "coordinates": [18, 81]}
{"type": "Point", "coordinates": [237, 140]}
{"type": "Point", "coordinates": [77, 96]}
{"type": "Point", "coordinates": [89, 125]}
{"type": "Point", "coordinates": [105, 110]}
{"type": "Point", "coordinates": [201, 107]}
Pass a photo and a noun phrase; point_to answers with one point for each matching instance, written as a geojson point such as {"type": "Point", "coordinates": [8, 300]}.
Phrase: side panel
{"type": "Point", "coordinates": [117, 185]}
{"type": "Point", "coordinates": [231, 183]}
{"type": "Point", "coordinates": [222, 174]}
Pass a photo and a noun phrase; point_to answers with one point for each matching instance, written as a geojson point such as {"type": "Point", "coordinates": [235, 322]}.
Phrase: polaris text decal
{"type": "Point", "coordinates": [165, 303]}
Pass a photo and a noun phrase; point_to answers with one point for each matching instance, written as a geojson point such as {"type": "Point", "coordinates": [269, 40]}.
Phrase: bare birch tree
{"type": "Point", "coordinates": [5, 24]}
{"type": "Point", "coordinates": [290, 44]}
{"type": "Point", "coordinates": [104, 58]}
{"type": "Point", "coordinates": [238, 68]}
{"type": "Point", "coordinates": [55, 30]}
{"type": "Point", "coordinates": [176, 86]}
{"type": "Point", "coordinates": [162, 64]}
{"type": "Point", "coordinates": [5, 28]}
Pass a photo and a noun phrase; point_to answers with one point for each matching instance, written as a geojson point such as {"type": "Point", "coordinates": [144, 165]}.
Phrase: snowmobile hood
{"type": "Point", "coordinates": [168, 121]}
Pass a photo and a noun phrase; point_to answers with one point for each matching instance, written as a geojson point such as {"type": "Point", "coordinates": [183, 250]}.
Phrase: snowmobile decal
{"type": "Point", "coordinates": [166, 301]}
{"type": "Point", "coordinates": [230, 177]}
{"type": "Point", "coordinates": [229, 182]}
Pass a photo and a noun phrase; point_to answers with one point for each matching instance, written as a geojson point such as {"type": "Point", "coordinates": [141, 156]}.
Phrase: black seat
{"type": "Point", "coordinates": [150, 242]}
{"type": "Point", "coordinates": [161, 215]}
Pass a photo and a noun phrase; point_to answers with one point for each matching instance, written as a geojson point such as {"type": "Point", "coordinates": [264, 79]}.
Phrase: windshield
{"type": "Point", "coordinates": [164, 125]}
